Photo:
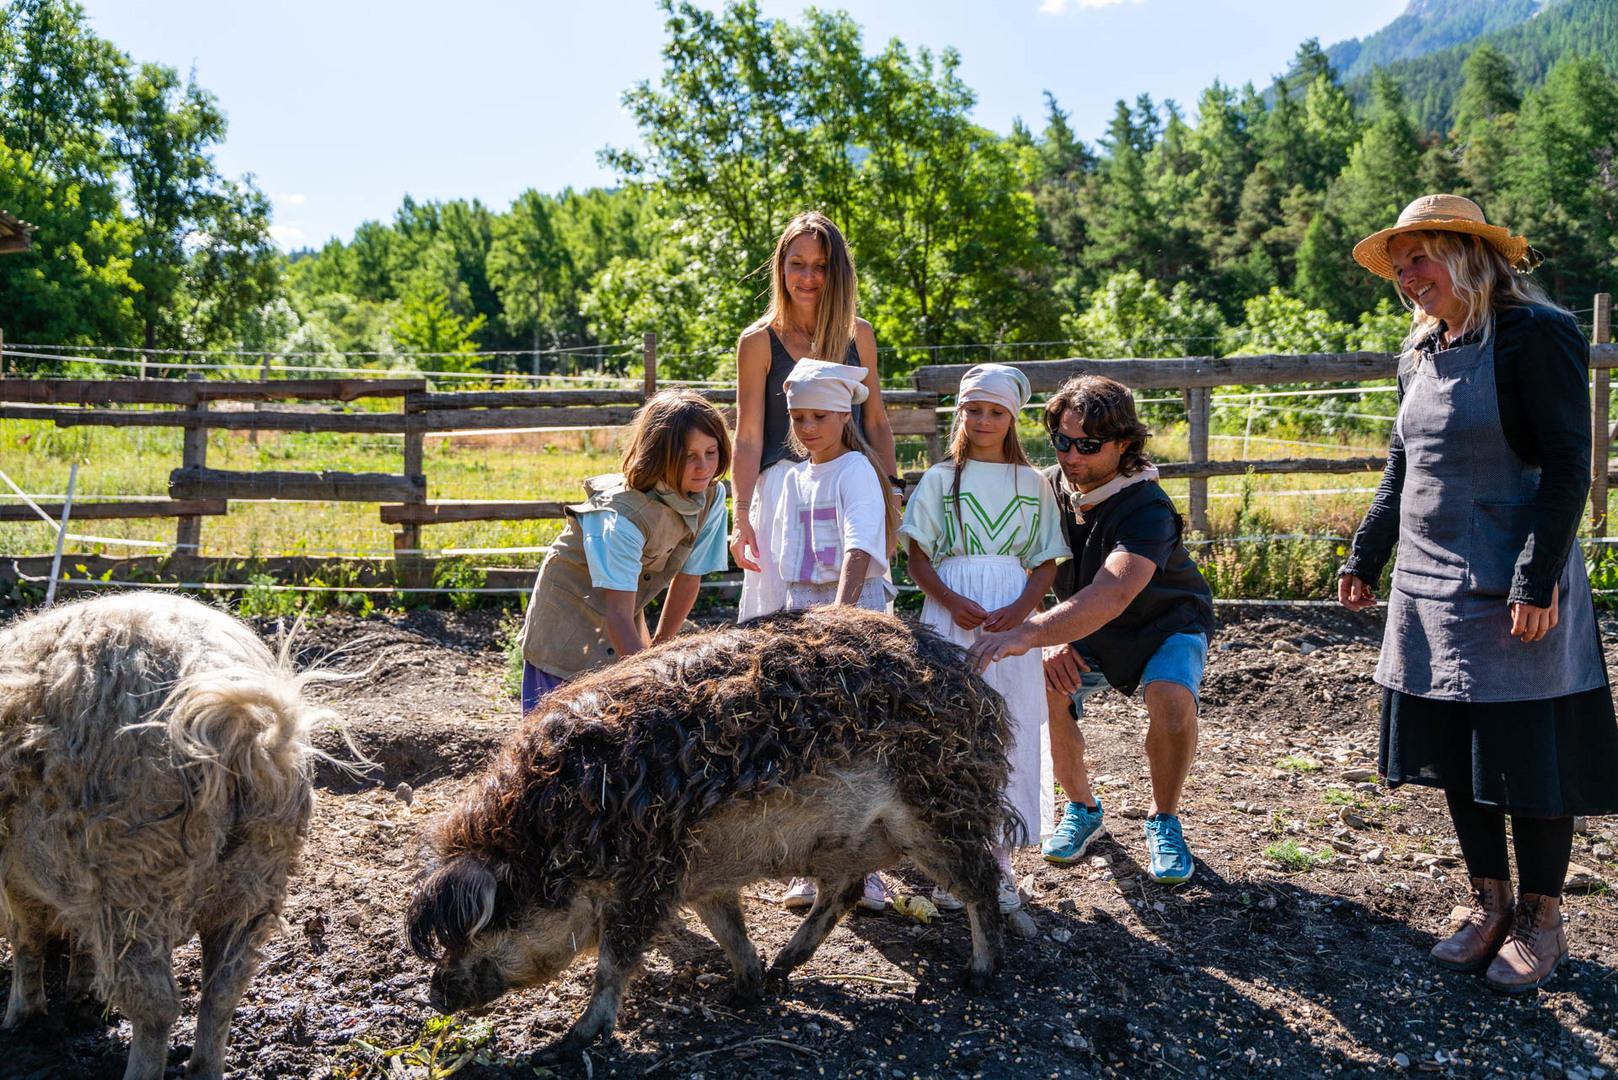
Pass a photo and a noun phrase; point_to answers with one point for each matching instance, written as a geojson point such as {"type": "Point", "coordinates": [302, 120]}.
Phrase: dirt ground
{"type": "Point", "coordinates": [1253, 968]}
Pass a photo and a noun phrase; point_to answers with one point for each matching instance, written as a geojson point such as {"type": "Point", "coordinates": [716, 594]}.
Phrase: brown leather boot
{"type": "Point", "coordinates": [1536, 946]}
{"type": "Point", "coordinates": [1477, 933]}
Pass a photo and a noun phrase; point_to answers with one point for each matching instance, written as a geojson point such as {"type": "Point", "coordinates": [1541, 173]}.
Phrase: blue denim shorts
{"type": "Point", "coordinates": [1180, 659]}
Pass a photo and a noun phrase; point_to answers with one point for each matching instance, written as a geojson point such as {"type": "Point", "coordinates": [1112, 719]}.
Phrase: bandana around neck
{"type": "Point", "coordinates": [689, 507]}
{"type": "Point", "coordinates": [1089, 500]}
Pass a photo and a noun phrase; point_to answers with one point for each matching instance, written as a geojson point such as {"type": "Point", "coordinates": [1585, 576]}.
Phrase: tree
{"type": "Point", "coordinates": [528, 265]}
{"type": "Point", "coordinates": [425, 324]}
{"type": "Point", "coordinates": [1131, 316]}
{"type": "Point", "coordinates": [1560, 188]}
{"type": "Point", "coordinates": [182, 207]}
{"type": "Point", "coordinates": [62, 89]}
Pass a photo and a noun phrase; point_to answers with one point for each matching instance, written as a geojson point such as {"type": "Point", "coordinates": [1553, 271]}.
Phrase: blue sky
{"type": "Point", "coordinates": [342, 107]}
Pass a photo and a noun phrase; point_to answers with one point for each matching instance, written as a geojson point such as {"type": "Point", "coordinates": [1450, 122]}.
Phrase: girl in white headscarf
{"type": "Point", "coordinates": [983, 535]}
{"type": "Point", "coordinates": [829, 525]}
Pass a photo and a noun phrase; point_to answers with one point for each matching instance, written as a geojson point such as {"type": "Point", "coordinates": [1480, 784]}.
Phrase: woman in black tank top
{"type": "Point", "coordinates": [813, 293]}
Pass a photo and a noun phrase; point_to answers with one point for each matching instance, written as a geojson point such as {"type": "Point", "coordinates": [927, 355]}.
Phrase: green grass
{"type": "Point", "coordinates": [135, 462]}
{"type": "Point", "coordinates": [1298, 764]}
{"type": "Point", "coordinates": [1291, 856]}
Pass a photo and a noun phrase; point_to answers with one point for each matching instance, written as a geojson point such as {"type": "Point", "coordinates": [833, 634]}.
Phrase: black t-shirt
{"type": "Point", "coordinates": [1140, 520]}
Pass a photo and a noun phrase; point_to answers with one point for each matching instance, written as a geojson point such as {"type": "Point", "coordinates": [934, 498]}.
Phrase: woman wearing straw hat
{"type": "Point", "coordinates": [1494, 686]}
{"type": "Point", "coordinates": [813, 294]}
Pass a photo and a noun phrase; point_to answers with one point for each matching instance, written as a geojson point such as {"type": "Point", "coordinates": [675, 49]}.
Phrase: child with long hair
{"type": "Point", "coordinates": [826, 524]}
{"type": "Point", "coordinates": [659, 524]}
{"type": "Point", "coordinates": [983, 536]}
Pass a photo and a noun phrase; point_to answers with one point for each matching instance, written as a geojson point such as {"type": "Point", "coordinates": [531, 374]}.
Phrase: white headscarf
{"type": "Point", "coordinates": [823, 385]}
{"type": "Point", "coordinates": [999, 383]}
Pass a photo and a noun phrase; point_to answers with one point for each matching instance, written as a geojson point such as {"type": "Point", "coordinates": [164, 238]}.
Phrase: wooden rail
{"type": "Point", "coordinates": [107, 511]}
{"type": "Point", "coordinates": [197, 491]}
{"type": "Point", "coordinates": [198, 482]}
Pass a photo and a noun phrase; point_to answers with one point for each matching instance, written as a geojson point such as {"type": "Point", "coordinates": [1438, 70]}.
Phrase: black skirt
{"type": "Point", "coordinates": [1550, 758]}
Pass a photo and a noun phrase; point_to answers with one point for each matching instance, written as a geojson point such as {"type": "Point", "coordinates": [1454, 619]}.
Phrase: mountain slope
{"type": "Point", "coordinates": [1429, 26]}
{"type": "Point", "coordinates": [1566, 28]}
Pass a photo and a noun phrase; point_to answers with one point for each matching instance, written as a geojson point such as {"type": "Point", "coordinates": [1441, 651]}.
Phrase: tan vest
{"type": "Point", "coordinates": [565, 630]}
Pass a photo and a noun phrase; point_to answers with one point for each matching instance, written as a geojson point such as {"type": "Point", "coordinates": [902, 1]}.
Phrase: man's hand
{"type": "Point", "coordinates": [1064, 668]}
{"type": "Point", "coordinates": [1532, 623]}
{"type": "Point", "coordinates": [992, 647]}
{"type": "Point", "coordinates": [1354, 593]}
{"type": "Point", "coordinates": [968, 614]}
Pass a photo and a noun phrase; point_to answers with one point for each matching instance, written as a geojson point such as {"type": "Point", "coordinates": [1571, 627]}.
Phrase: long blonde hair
{"type": "Point", "coordinates": [853, 440]}
{"type": "Point", "coordinates": [1481, 278]}
{"type": "Point", "coordinates": [834, 319]}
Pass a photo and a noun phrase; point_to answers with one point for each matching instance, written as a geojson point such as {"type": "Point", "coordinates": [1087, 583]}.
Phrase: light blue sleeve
{"type": "Point", "coordinates": [612, 547]}
{"type": "Point", "coordinates": [709, 554]}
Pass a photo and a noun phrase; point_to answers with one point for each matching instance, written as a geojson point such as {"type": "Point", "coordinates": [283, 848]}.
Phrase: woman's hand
{"type": "Point", "coordinates": [1532, 623]}
{"type": "Point", "coordinates": [744, 544]}
{"type": "Point", "coordinates": [1354, 593]}
{"type": "Point", "coordinates": [1005, 618]}
{"type": "Point", "coordinates": [968, 614]}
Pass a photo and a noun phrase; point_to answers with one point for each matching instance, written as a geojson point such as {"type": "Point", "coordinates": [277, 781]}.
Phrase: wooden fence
{"type": "Point", "coordinates": [197, 491]}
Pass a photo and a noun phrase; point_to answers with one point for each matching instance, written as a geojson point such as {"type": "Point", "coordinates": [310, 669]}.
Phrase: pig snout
{"type": "Point", "coordinates": [465, 986]}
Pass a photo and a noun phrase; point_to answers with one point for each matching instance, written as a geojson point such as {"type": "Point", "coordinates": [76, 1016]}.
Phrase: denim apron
{"type": "Point", "coordinates": [1464, 518]}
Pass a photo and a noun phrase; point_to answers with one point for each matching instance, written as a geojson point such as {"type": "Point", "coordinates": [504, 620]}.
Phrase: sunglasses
{"type": "Point", "coordinates": [1087, 444]}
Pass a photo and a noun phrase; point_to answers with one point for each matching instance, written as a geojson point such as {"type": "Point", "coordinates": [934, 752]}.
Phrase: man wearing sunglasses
{"type": "Point", "coordinates": [1134, 612]}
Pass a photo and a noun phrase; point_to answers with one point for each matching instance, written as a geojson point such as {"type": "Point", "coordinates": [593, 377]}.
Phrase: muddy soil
{"type": "Point", "coordinates": [1259, 966]}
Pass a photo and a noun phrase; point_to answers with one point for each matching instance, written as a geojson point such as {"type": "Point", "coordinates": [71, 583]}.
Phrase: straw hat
{"type": "Point", "coordinates": [1444, 213]}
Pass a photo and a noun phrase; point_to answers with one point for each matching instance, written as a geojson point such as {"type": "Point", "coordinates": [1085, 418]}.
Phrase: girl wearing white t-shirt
{"type": "Point", "coordinates": [984, 534]}
{"type": "Point", "coordinates": [826, 524]}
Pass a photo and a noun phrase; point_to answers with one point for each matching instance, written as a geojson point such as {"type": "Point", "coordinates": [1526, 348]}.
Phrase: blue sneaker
{"type": "Point", "coordinates": [1080, 825]}
{"type": "Point", "coordinates": [1170, 862]}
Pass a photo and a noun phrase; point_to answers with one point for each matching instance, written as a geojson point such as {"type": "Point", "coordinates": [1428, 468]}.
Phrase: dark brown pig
{"type": "Point", "coordinates": [823, 744]}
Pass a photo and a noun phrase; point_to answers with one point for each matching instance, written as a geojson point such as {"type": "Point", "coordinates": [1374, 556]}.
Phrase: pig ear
{"type": "Point", "coordinates": [451, 906]}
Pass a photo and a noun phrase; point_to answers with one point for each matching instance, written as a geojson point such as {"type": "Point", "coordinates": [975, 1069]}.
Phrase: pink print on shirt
{"type": "Point", "coordinates": [826, 556]}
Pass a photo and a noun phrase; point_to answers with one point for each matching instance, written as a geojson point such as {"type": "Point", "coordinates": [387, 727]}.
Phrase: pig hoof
{"type": "Point", "coordinates": [746, 994]}
{"type": "Point", "coordinates": [973, 981]}
{"type": "Point", "coordinates": [569, 1049]}
{"type": "Point", "coordinates": [775, 981]}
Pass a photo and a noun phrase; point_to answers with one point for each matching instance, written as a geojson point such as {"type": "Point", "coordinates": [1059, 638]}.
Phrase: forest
{"type": "Point", "coordinates": [1215, 227]}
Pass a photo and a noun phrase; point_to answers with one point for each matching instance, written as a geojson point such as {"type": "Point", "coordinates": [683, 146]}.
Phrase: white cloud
{"type": "Point", "coordinates": [1060, 7]}
{"type": "Point", "coordinates": [288, 236]}
{"type": "Point", "coordinates": [290, 200]}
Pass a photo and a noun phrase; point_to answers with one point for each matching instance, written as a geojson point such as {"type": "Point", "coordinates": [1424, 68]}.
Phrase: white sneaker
{"type": "Point", "coordinates": [1009, 898]}
{"type": "Point", "coordinates": [800, 894]}
{"type": "Point", "coordinates": [944, 900]}
{"type": "Point", "coordinates": [878, 897]}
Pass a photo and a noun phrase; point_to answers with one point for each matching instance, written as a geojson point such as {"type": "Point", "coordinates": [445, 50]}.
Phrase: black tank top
{"type": "Point", "coordinates": [777, 424]}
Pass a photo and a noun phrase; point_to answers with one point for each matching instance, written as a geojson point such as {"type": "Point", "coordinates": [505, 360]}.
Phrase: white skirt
{"type": "Point", "coordinates": [993, 581]}
{"type": "Point", "coordinates": [764, 592]}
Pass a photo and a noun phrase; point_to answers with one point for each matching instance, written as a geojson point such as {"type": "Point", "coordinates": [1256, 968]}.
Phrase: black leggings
{"type": "Point", "coordinates": [1543, 845]}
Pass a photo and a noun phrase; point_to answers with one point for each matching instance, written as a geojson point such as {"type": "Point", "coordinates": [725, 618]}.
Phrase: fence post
{"type": "Point", "coordinates": [188, 531]}
{"type": "Point", "coordinates": [61, 535]}
{"type": "Point", "coordinates": [648, 352]}
{"type": "Point", "coordinates": [407, 558]}
{"type": "Point", "coordinates": [1198, 400]}
{"type": "Point", "coordinates": [1600, 436]}
{"type": "Point", "coordinates": [263, 376]}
